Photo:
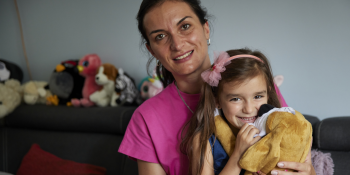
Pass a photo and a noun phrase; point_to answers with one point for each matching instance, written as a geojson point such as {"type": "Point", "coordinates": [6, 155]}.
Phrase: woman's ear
{"type": "Point", "coordinates": [149, 49]}
{"type": "Point", "coordinates": [206, 30]}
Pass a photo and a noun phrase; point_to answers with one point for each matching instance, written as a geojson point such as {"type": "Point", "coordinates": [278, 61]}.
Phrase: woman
{"type": "Point", "coordinates": [176, 33]}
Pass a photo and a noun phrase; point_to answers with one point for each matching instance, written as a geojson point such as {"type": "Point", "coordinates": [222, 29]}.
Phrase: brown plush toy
{"type": "Point", "coordinates": [288, 138]}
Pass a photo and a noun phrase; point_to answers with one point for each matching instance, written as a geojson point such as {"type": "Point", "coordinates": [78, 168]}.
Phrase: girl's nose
{"type": "Point", "coordinates": [248, 107]}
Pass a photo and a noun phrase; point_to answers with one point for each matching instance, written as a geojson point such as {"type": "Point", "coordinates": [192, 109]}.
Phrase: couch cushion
{"type": "Point", "coordinates": [113, 120]}
{"type": "Point", "coordinates": [333, 134]}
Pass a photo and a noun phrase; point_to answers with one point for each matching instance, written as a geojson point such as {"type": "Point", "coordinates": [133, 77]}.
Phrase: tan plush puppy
{"type": "Point", "coordinates": [106, 75]}
{"type": "Point", "coordinates": [288, 138]}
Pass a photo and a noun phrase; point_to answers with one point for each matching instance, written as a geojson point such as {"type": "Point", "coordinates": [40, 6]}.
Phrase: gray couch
{"type": "Point", "coordinates": [84, 135]}
{"type": "Point", "coordinates": [93, 135]}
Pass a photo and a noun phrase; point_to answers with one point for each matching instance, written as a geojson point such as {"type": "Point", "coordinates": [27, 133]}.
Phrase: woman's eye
{"type": "Point", "coordinates": [235, 99]}
{"type": "Point", "coordinates": [185, 27]}
{"type": "Point", "coordinates": [160, 36]}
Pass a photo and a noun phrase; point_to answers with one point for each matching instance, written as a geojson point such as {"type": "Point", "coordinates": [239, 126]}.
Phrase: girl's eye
{"type": "Point", "coordinates": [160, 36]}
{"type": "Point", "coordinates": [235, 99]}
{"type": "Point", "coordinates": [185, 27]}
{"type": "Point", "coordinates": [258, 97]}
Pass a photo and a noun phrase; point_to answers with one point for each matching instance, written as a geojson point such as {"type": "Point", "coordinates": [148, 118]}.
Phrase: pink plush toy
{"type": "Point", "coordinates": [87, 67]}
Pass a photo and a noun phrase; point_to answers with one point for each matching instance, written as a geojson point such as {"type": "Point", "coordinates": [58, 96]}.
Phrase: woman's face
{"type": "Point", "coordinates": [240, 103]}
{"type": "Point", "coordinates": [177, 38]}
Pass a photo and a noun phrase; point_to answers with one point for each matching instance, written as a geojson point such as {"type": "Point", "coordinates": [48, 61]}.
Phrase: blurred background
{"type": "Point", "coordinates": [308, 42]}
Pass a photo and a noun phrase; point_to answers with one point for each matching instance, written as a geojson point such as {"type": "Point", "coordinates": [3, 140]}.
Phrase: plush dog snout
{"type": "Point", "coordinates": [97, 78]}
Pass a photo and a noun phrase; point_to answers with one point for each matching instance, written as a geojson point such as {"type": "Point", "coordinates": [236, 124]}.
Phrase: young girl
{"type": "Point", "coordinates": [239, 82]}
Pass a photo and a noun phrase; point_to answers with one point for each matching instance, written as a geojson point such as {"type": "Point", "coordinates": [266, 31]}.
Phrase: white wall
{"type": "Point", "coordinates": [306, 41]}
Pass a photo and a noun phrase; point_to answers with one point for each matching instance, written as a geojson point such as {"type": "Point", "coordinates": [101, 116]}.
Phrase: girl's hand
{"type": "Point", "coordinates": [259, 173]}
{"type": "Point", "coordinates": [305, 168]}
{"type": "Point", "coordinates": [245, 138]}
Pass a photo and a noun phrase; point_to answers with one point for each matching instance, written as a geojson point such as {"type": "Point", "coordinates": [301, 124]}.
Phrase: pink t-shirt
{"type": "Point", "coordinates": [154, 131]}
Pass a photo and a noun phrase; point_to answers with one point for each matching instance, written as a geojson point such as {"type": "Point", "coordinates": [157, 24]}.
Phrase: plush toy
{"type": "Point", "coordinates": [87, 67]}
{"type": "Point", "coordinates": [278, 80]}
{"type": "Point", "coordinates": [126, 88]}
{"type": "Point", "coordinates": [34, 92]}
{"type": "Point", "coordinates": [150, 87]}
{"type": "Point", "coordinates": [10, 98]}
{"type": "Point", "coordinates": [288, 138]}
{"type": "Point", "coordinates": [66, 83]}
{"type": "Point", "coordinates": [105, 77]}
{"type": "Point", "coordinates": [10, 70]}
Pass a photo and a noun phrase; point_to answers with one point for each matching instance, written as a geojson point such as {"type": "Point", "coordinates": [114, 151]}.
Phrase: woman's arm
{"type": "Point", "coordinates": [305, 168]}
{"type": "Point", "coordinates": [148, 168]}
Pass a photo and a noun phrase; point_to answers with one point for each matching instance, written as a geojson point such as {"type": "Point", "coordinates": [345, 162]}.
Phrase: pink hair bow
{"type": "Point", "coordinates": [212, 76]}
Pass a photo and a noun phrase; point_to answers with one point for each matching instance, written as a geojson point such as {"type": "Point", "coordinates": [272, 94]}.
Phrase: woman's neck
{"type": "Point", "coordinates": [189, 85]}
{"type": "Point", "coordinates": [192, 83]}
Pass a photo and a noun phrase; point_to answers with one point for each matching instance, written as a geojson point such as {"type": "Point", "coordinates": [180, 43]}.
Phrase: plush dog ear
{"type": "Point", "coordinates": [114, 72]}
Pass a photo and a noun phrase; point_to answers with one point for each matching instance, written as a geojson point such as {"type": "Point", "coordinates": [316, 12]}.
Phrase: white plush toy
{"type": "Point", "coordinates": [10, 96]}
{"type": "Point", "coordinates": [278, 80]}
{"type": "Point", "coordinates": [34, 92]}
{"type": "Point", "coordinates": [105, 77]}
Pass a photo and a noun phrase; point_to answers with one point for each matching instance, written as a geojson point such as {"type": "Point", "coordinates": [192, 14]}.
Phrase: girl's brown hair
{"type": "Point", "coordinates": [164, 75]}
{"type": "Point", "coordinates": [202, 123]}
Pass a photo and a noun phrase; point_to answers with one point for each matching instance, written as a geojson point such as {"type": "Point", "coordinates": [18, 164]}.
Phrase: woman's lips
{"type": "Point", "coordinates": [247, 119]}
{"type": "Point", "coordinates": [184, 57]}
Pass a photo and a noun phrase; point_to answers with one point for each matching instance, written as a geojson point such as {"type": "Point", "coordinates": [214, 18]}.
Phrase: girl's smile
{"type": "Point", "coordinates": [240, 103]}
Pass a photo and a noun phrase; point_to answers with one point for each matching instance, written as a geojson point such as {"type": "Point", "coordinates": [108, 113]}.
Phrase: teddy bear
{"type": "Point", "coordinates": [10, 96]}
{"type": "Point", "coordinates": [105, 77]}
{"type": "Point", "coordinates": [286, 136]}
{"type": "Point", "coordinates": [34, 92]}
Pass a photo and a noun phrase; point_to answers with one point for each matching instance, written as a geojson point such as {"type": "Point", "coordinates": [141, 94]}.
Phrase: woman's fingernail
{"type": "Point", "coordinates": [274, 172]}
{"type": "Point", "coordinates": [258, 172]}
{"type": "Point", "coordinates": [285, 170]}
{"type": "Point", "coordinates": [280, 165]}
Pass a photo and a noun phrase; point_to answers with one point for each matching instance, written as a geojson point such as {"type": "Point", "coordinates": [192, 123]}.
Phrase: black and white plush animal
{"type": "Point", "coordinates": [126, 88]}
{"type": "Point", "coordinates": [9, 70]}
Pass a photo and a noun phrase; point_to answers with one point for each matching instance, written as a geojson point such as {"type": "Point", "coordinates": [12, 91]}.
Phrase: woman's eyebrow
{"type": "Point", "coordinates": [161, 30]}
{"type": "Point", "coordinates": [178, 23]}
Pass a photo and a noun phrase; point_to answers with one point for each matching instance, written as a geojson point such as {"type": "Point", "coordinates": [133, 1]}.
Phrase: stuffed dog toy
{"type": "Point", "coordinates": [105, 77]}
{"type": "Point", "coordinates": [288, 138]}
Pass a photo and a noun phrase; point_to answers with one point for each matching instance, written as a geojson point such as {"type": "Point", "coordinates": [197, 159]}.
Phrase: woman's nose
{"type": "Point", "coordinates": [176, 43]}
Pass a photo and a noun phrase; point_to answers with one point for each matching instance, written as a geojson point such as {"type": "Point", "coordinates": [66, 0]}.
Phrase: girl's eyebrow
{"type": "Point", "coordinates": [262, 92]}
{"type": "Point", "coordinates": [235, 95]}
{"type": "Point", "coordinates": [178, 23]}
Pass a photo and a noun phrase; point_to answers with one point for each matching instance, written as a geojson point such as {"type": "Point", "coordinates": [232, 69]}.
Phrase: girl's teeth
{"type": "Point", "coordinates": [183, 56]}
{"type": "Point", "coordinates": [247, 119]}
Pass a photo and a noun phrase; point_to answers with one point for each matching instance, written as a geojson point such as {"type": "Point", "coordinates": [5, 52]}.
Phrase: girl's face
{"type": "Point", "coordinates": [240, 103]}
{"type": "Point", "coordinates": [177, 38]}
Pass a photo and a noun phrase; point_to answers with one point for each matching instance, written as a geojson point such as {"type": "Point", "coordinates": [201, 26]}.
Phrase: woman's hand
{"type": "Point", "coordinates": [305, 168]}
{"type": "Point", "coordinates": [245, 138]}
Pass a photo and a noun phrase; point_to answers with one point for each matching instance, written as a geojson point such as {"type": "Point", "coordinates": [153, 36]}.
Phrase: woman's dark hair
{"type": "Point", "coordinates": [165, 76]}
{"type": "Point", "coordinates": [202, 124]}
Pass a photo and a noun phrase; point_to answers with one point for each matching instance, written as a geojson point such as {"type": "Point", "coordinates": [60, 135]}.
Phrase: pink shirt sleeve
{"type": "Point", "coordinates": [137, 143]}
{"type": "Point", "coordinates": [280, 97]}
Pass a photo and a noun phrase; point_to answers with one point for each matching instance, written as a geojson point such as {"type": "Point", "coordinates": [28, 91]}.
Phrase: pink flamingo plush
{"type": "Point", "coordinates": [88, 66]}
